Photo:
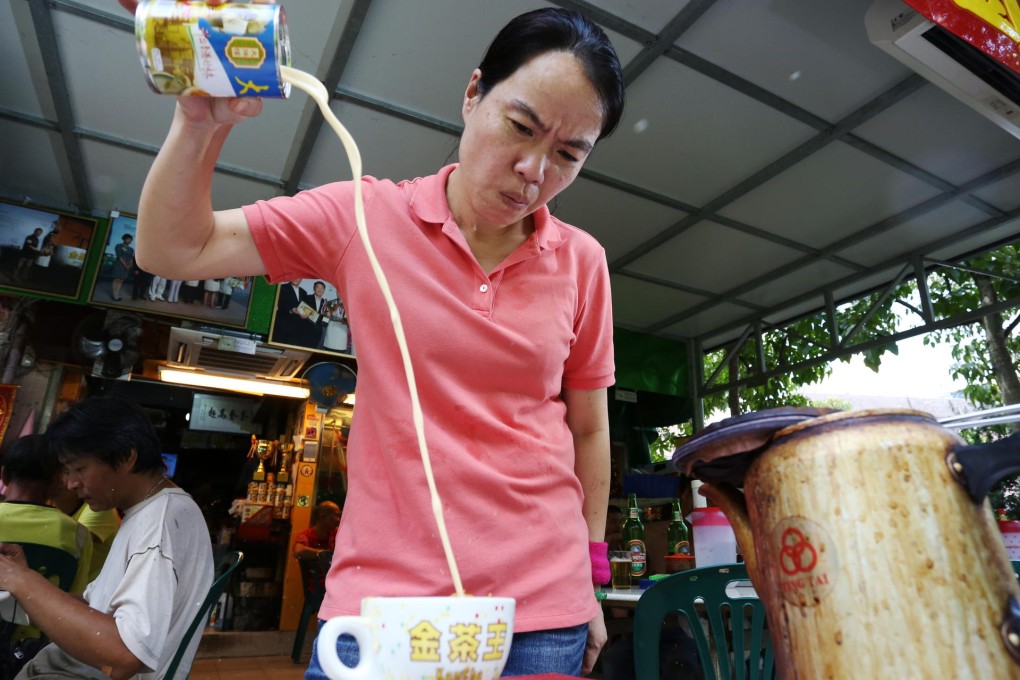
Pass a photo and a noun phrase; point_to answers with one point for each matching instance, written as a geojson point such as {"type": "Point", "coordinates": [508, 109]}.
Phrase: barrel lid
{"type": "Point", "coordinates": [723, 451]}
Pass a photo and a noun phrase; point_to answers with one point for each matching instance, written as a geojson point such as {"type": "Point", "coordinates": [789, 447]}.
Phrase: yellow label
{"type": "Point", "coordinates": [245, 52]}
{"type": "Point", "coordinates": [1002, 14]}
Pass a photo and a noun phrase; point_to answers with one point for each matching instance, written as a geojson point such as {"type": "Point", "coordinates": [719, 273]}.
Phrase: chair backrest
{"type": "Point", "coordinates": [728, 629]}
{"type": "Point", "coordinates": [313, 576]}
{"type": "Point", "coordinates": [52, 562]}
{"type": "Point", "coordinates": [224, 570]}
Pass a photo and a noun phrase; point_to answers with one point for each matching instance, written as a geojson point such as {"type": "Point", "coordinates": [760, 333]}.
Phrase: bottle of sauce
{"type": "Point", "coordinates": [678, 535]}
{"type": "Point", "coordinates": [634, 539]}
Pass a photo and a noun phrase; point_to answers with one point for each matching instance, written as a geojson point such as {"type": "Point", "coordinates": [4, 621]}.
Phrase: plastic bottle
{"type": "Point", "coordinates": [713, 537]}
{"type": "Point", "coordinates": [634, 539]}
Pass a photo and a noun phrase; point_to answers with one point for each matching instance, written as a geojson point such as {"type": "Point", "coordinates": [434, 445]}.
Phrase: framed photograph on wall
{"type": "Point", "coordinates": [310, 315]}
{"type": "Point", "coordinates": [120, 283]}
{"type": "Point", "coordinates": [44, 251]}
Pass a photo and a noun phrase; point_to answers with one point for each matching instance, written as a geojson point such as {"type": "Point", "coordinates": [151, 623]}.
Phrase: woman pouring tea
{"type": "Point", "coordinates": [509, 324]}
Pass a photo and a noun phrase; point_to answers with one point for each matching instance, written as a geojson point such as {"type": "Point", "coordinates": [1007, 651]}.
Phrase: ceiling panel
{"type": "Point", "coordinates": [619, 220]}
{"type": "Point", "coordinates": [383, 142]}
{"type": "Point", "coordinates": [720, 314]}
{"type": "Point", "coordinates": [638, 304]}
{"type": "Point", "coordinates": [875, 280]}
{"type": "Point", "coordinates": [19, 61]}
{"type": "Point", "coordinates": [31, 166]}
{"type": "Point", "coordinates": [98, 102]}
{"type": "Point", "coordinates": [939, 134]}
{"type": "Point", "coordinates": [649, 15]}
{"type": "Point", "coordinates": [719, 248]}
{"type": "Point", "coordinates": [1003, 194]}
{"type": "Point", "coordinates": [819, 200]}
{"type": "Point", "coordinates": [815, 55]}
{"type": "Point", "coordinates": [385, 59]}
{"type": "Point", "coordinates": [932, 226]}
{"type": "Point", "coordinates": [792, 284]}
{"type": "Point", "coordinates": [809, 305]}
{"type": "Point", "coordinates": [117, 174]}
{"type": "Point", "coordinates": [982, 239]}
{"type": "Point", "coordinates": [688, 137]}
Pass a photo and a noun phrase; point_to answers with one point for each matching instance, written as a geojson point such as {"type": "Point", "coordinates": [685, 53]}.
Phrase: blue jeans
{"type": "Point", "coordinates": [543, 651]}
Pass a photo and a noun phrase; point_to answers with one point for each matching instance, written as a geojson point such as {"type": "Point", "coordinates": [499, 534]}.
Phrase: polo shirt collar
{"type": "Point", "coordinates": [429, 205]}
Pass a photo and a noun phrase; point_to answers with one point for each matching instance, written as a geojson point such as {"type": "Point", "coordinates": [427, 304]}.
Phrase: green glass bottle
{"type": "Point", "coordinates": [634, 539]}
{"type": "Point", "coordinates": [678, 536]}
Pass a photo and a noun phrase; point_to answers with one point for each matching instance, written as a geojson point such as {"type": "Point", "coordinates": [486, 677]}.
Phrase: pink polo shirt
{"type": "Point", "coordinates": [491, 355]}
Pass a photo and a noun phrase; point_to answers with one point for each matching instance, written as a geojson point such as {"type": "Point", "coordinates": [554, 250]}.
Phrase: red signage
{"type": "Point", "coordinates": [992, 26]}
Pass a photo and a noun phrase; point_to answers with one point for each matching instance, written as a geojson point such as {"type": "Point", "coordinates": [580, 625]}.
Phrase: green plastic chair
{"type": "Point", "coordinates": [741, 652]}
{"type": "Point", "coordinates": [52, 562]}
{"type": "Point", "coordinates": [59, 566]}
{"type": "Point", "coordinates": [313, 577]}
{"type": "Point", "coordinates": [224, 570]}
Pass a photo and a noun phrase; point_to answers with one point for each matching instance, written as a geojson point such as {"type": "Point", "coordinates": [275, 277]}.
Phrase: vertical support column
{"type": "Point", "coordinates": [696, 364]}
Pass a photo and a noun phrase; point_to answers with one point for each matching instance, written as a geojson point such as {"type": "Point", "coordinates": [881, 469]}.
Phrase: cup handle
{"type": "Point", "coordinates": [356, 626]}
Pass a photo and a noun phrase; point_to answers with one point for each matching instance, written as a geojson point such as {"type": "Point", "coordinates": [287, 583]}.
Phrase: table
{"type": "Point", "coordinates": [10, 611]}
{"type": "Point", "coordinates": [616, 597]}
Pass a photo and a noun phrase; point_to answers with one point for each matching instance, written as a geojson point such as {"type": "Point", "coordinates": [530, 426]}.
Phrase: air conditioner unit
{"type": "Point", "coordinates": [959, 68]}
{"type": "Point", "coordinates": [216, 353]}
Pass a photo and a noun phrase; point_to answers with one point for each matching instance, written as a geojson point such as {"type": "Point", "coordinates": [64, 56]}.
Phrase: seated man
{"type": "Point", "coordinates": [318, 537]}
{"type": "Point", "coordinates": [159, 569]}
{"type": "Point", "coordinates": [31, 471]}
{"type": "Point", "coordinates": [321, 535]}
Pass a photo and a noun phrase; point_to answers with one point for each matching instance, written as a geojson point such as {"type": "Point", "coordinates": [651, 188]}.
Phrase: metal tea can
{"type": "Point", "coordinates": [230, 50]}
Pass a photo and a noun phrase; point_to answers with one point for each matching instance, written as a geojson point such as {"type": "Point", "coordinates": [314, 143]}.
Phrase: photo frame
{"type": "Point", "coordinates": [44, 251]}
{"type": "Point", "coordinates": [120, 283]}
{"type": "Point", "coordinates": [306, 319]}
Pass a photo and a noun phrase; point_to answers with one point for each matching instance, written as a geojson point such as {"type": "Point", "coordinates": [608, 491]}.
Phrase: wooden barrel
{"type": "Point", "coordinates": [873, 562]}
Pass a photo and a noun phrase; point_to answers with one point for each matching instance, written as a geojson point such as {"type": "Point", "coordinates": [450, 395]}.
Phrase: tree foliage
{"type": "Point", "coordinates": [801, 345]}
{"type": "Point", "coordinates": [985, 352]}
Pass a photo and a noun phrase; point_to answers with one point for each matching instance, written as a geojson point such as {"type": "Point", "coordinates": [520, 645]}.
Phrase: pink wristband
{"type": "Point", "coordinates": [599, 554]}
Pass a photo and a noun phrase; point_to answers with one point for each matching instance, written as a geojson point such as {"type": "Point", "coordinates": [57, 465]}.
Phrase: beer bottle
{"type": "Point", "coordinates": [678, 536]}
{"type": "Point", "coordinates": [634, 538]}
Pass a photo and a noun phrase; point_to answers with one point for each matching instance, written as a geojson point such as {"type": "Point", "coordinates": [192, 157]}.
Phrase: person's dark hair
{"type": "Point", "coordinates": [127, 236]}
{"type": "Point", "coordinates": [550, 30]}
{"type": "Point", "coordinates": [319, 510]}
{"type": "Point", "coordinates": [106, 428]}
{"type": "Point", "coordinates": [29, 459]}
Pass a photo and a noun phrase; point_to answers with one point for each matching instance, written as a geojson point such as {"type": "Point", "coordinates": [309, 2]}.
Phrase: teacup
{"type": "Point", "coordinates": [422, 638]}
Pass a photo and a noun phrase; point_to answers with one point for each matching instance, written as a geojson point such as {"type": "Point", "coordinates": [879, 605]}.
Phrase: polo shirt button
{"type": "Point", "coordinates": [484, 287]}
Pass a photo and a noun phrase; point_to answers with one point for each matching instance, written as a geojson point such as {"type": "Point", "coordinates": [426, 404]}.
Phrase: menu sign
{"type": "Point", "coordinates": [992, 26]}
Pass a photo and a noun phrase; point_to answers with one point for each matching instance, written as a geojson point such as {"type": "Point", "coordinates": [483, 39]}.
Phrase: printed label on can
{"type": "Point", "coordinates": [230, 50]}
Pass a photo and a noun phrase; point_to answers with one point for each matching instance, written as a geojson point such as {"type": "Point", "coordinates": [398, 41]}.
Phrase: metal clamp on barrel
{"type": "Point", "coordinates": [1010, 628]}
{"type": "Point", "coordinates": [978, 468]}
